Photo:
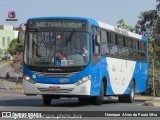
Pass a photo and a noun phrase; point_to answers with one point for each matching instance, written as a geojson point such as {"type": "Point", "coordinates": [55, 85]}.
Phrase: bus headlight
{"type": "Point", "coordinates": [83, 80]}
{"type": "Point", "coordinates": [29, 79]}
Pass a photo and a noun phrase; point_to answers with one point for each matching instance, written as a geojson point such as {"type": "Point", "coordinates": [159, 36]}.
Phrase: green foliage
{"type": "Point", "coordinates": [15, 47]}
{"type": "Point", "coordinates": [149, 25]}
{"type": "Point", "coordinates": [1, 51]}
{"type": "Point", "coordinates": [121, 24]}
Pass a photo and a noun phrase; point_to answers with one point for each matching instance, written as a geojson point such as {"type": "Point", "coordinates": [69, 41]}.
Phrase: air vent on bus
{"type": "Point", "coordinates": [54, 75]}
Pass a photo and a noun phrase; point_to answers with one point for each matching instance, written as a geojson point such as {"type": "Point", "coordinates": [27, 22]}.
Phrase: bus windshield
{"type": "Point", "coordinates": [57, 48]}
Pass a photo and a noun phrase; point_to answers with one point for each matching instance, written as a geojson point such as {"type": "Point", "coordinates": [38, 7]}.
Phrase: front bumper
{"type": "Point", "coordinates": [64, 89]}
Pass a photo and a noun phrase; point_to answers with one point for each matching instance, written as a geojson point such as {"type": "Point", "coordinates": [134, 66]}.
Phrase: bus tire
{"type": "Point", "coordinates": [46, 100]}
{"type": "Point", "coordinates": [98, 100]}
{"type": "Point", "coordinates": [130, 97]}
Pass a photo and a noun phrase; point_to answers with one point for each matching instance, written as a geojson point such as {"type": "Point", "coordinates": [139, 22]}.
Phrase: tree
{"type": "Point", "coordinates": [15, 47]}
{"type": "Point", "coordinates": [149, 25]}
{"type": "Point", "coordinates": [121, 24]}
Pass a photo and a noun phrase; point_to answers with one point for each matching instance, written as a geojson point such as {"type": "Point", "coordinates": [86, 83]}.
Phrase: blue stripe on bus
{"type": "Point", "coordinates": [140, 82]}
{"type": "Point", "coordinates": [144, 38]}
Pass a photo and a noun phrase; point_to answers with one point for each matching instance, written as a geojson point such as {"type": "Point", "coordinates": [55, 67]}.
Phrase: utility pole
{"type": "Point", "coordinates": [153, 78]}
{"type": "Point", "coordinates": [152, 52]}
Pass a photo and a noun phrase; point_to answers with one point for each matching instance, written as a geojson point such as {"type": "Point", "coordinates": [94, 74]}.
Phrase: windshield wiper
{"type": "Point", "coordinates": [69, 38]}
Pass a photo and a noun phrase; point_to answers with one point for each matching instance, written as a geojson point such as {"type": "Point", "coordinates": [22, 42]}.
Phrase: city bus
{"type": "Point", "coordinates": [83, 58]}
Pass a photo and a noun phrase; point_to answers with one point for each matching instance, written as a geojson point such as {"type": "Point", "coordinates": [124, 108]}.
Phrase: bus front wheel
{"type": "Point", "coordinates": [98, 100]}
{"type": "Point", "coordinates": [46, 99]}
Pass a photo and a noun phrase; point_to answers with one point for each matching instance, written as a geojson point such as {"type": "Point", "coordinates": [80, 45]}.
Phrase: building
{"type": "Point", "coordinates": [7, 34]}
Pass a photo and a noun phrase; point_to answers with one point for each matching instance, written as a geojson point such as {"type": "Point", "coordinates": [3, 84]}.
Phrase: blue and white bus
{"type": "Point", "coordinates": [83, 58]}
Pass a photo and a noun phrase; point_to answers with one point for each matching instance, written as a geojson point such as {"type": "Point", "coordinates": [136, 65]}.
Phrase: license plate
{"type": "Point", "coordinates": [54, 88]}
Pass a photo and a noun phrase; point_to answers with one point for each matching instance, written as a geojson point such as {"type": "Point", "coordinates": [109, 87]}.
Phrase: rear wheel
{"type": "Point", "coordinates": [46, 99]}
{"type": "Point", "coordinates": [128, 98]}
{"type": "Point", "coordinates": [98, 100]}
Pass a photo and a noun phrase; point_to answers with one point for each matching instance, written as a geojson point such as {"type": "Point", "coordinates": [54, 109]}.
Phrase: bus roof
{"type": "Point", "coordinates": [97, 23]}
{"type": "Point", "coordinates": [121, 31]}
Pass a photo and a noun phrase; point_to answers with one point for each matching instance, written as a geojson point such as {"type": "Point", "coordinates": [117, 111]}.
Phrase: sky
{"type": "Point", "coordinates": [108, 11]}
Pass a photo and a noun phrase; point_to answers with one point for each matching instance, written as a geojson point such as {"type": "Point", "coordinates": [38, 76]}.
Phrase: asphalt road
{"type": "Point", "coordinates": [3, 69]}
{"type": "Point", "coordinates": [11, 101]}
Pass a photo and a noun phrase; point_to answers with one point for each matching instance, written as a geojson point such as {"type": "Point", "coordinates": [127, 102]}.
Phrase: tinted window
{"type": "Point", "coordinates": [104, 41]}
{"type": "Point", "coordinates": [128, 42]}
{"type": "Point", "coordinates": [143, 46]}
{"type": "Point", "coordinates": [103, 37]}
{"type": "Point", "coordinates": [137, 44]}
{"type": "Point", "coordinates": [120, 40]}
{"type": "Point", "coordinates": [134, 44]}
{"type": "Point", "coordinates": [113, 38]}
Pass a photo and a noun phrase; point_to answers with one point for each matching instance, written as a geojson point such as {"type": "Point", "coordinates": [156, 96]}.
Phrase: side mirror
{"type": "Point", "coordinates": [21, 33]}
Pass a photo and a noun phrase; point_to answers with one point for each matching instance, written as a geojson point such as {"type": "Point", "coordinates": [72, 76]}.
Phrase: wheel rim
{"type": "Point", "coordinates": [132, 92]}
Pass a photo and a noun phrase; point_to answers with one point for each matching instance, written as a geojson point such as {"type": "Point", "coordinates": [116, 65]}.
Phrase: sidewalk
{"type": "Point", "coordinates": [14, 85]}
{"type": "Point", "coordinates": [149, 100]}
{"type": "Point", "coordinates": [154, 102]}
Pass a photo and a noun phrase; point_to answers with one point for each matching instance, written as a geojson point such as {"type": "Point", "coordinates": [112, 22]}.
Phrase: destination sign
{"type": "Point", "coordinates": [42, 60]}
{"type": "Point", "coordinates": [57, 24]}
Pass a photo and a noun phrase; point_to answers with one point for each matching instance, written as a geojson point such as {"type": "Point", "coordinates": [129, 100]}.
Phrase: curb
{"type": "Point", "coordinates": [155, 102]}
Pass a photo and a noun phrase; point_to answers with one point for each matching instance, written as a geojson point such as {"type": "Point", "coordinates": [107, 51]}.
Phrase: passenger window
{"type": "Point", "coordinates": [113, 50]}
{"type": "Point", "coordinates": [137, 44]}
{"type": "Point", "coordinates": [143, 46]}
{"type": "Point", "coordinates": [120, 40]}
{"type": "Point", "coordinates": [113, 38]}
{"type": "Point", "coordinates": [128, 43]}
{"type": "Point", "coordinates": [104, 44]}
{"type": "Point", "coordinates": [134, 44]}
{"type": "Point", "coordinates": [103, 37]}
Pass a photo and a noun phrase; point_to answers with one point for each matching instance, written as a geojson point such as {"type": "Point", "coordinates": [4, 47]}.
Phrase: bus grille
{"type": "Point", "coordinates": [45, 90]}
{"type": "Point", "coordinates": [54, 75]}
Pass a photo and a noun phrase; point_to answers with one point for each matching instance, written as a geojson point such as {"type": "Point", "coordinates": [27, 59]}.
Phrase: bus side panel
{"type": "Point", "coordinates": [105, 76]}
{"type": "Point", "coordinates": [120, 75]}
{"type": "Point", "coordinates": [95, 87]}
{"type": "Point", "coordinates": [99, 71]}
{"type": "Point", "coordinates": [141, 77]}
{"type": "Point", "coordinates": [117, 72]}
